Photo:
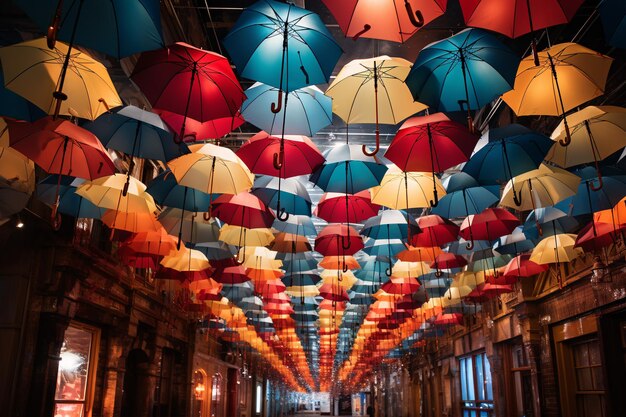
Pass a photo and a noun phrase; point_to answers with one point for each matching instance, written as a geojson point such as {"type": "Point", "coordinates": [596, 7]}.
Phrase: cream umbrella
{"type": "Point", "coordinates": [108, 192]}
{"type": "Point", "coordinates": [541, 187]}
{"type": "Point", "coordinates": [186, 259]}
{"type": "Point", "coordinates": [373, 90]}
{"type": "Point", "coordinates": [242, 236]}
{"type": "Point", "coordinates": [402, 190]}
{"type": "Point", "coordinates": [556, 249]}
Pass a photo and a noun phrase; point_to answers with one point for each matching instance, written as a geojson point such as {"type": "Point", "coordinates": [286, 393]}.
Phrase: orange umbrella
{"type": "Point", "coordinates": [131, 222]}
{"type": "Point", "coordinates": [152, 242]}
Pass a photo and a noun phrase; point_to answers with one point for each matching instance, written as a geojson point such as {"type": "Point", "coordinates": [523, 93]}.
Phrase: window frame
{"type": "Point", "coordinates": [473, 405]}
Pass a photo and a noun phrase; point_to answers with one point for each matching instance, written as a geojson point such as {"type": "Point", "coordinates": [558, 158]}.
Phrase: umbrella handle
{"type": "Point", "coordinates": [344, 268]}
{"type": "Point", "coordinates": [470, 245]}
{"type": "Point", "coordinates": [105, 104]}
{"type": "Point", "coordinates": [435, 202]}
{"type": "Point", "coordinates": [533, 45]}
{"type": "Point", "coordinates": [343, 244]}
{"type": "Point", "coordinates": [470, 120]}
{"type": "Point", "coordinates": [517, 198]}
{"type": "Point", "coordinates": [357, 35]}
{"type": "Point", "coordinates": [438, 273]}
{"type": "Point", "coordinates": [278, 160]}
{"type": "Point", "coordinates": [389, 271]}
{"type": "Point", "coordinates": [376, 149]}
{"type": "Point", "coordinates": [51, 35]}
{"type": "Point", "coordinates": [417, 19]}
{"type": "Point", "coordinates": [568, 136]}
{"type": "Point", "coordinates": [539, 228]}
{"type": "Point", "coordinates": [281, 214]}
{"type": "Point", "coordinates": [206, 216]}
{"type": "Point", "coordinates": [278, 106]}
{"type": "Point", "coordinates": [600, 183]}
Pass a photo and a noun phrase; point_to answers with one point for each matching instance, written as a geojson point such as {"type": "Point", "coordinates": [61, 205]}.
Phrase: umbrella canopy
{"type": "Point", "coordinates": [597, 193]}
{"type": "Point", "coordinates": [551, 220]}
{"type": "Point", "coordinates": [488, 225]}
{"type": "Point", "coordinates": [522, 266]}
{"type": "Point", "coordinates": [167, 192]}
{"type": "Point", "coordinates": [556, 249]}
{"type": "Point", "coordinates": [597, 235]}
{"type": "Point", "coordinates": [243, 209]}
{"type": "Point", "coordinates": [70, 203]}
{"type": "Point", "coordinates": [108, 192]}
{"type": "Point", "coordinates": [32, 70]}
{"type": "Point", "coordinates": [289, 243]}
{"type": "Point", "coordinates": [348, 170]}
{"type": "Point", "coordinates": [212, 169]}
{"type": "Point", "coordinates": [346, 208]}
{"type": "Point", "coordinates": [151, 243]}
{"type": "Point", "coordinates": [17, 107]}
{"type": "Point", "coordinates": [130, 221]}
{"type": "Point", "coordinates": [117, 27]}
{"type": "Point", "coordinates": [186, 260]}
{"type": "Point", "coordinates": [338, 239]}
{"type": "Point", "coordinates": [261, 154]}
{"type": "Point", "coordinates": [372, 90]}
{"type": "Point", "coordinates": [136, 132]}
{"type": "Point", "coordinates": [403, 190]}
{"type": "Point", "coordinates": [515, 18]}
{"type": "Point", "coordinates": [389, 224]}
{"type": "Point", "coordinates": [513, 243]}
{"type": "Point", "coordinates": [436, 231]}
{"type": "Point", "coordinates": [394, 21]}
{"type": "Point", "coordinates": [541, 187]}
{"type": "Point", "coordinates": [465, 71]}
{"type": "Point", "coordinates": [309, 110]}
{"type": "Point", "coordinates": [448, 261]}
{"type": "Point", "coordinates": [264, 29]}
{"type": "Point", "coordinates": [465, 196]}
{"type": "Point", "coordinates": [195, 130]}
{"type": "Point", "coordinates": [193, 228]}
{"type": "Point", "coordinates": [293, 196]}
{"type": "Point", "coordinates": [189, 81]}
{"type": "Point", "coordinates": [242, 236]}
{"type": "Point", "coordinates": [297, 225]}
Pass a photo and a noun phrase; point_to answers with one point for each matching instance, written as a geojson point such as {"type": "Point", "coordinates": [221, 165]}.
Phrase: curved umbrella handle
{"type": "Point", "coordinates": [568, 136]}
{"type": "Point", "coordinates": [517, 198]}
{"type": "Point", "coordinates": [277, 107]}
{"type": "Point", "coordinates": [281, 214]}
{"type": "Point", "coordinates": [242, 260]}
{"type": "Point", "coordinates": [438, 273]}
{"type": "Point", "coordinates": [105, 104]}
{"type": "Point", "coordinates": [126, 185]}
{"type": "Point", "coordinates": [417, 19]}
{"type": "Point", "coordinates": [344, 268]}
{"type": "Point", "coordinates": [389, 270]}
{"type": "Point", "coordinates": [278, 160]}
{"type": "Point", "coordinates": [343, 244]}
{"type": "Point", "coordinates": [206, 216]}
{"type": "Point", "coordinates": [376, 149]}
{"type": "Point", "coordinates": [435, 202]}
{"type": "Point", "coordinates": [539, 228]}
{"type": "Point", "coordinates": [600, 183]}
{"type": "Point", "coordinates": [469, 245]}
{"type": "Point", "coordinates": [357, 35]}
{"type": "Point", "coordinates": [51, 35]}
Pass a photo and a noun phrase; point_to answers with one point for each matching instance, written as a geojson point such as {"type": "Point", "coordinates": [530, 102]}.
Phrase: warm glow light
{"type": "Point", "coordinates": [70, 361]}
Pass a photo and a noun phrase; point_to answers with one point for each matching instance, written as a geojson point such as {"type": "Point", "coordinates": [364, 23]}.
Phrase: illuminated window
{"type": "Point", "coordinates": [259, 393]}
{"type": "Point", "coordinates": [74, 388]}
{"type": "Point", "coordinates": [476, 386]}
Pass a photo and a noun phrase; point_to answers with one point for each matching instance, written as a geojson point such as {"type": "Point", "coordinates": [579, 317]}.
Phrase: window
{"type": "Point", "coordinates": [522, 395]}
{"type": "Point", "coordinates": [476, 386]}
{"type": "Point", "coordinates": [216, 395]}
{"type": "Point", "coordinates": [590, 391]}
{"type": "Point", "coordinates": [74, 389]}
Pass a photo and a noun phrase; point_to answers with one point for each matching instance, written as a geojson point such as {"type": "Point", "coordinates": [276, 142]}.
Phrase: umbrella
{"type": "Point", "coordinates": [243, 209]}
{"type": "Point", "coordinates": [541, 187]}
{"type": "Point", "coordinates": [35, 72]}
{"type": "Point", "coordinates": [289, 243]}
{"type": "Point", "coordinates": [403, 190]}
{"type": "Point", "coordinates": [431, 143]}
{"type": "Point", "coordinates": [513, 243]}
{"type": "Point", "coordinates": [390, 224]}
{"type": "Point", "coordinates": [596, 235]}
{"type": "Point", "coordinates": [567, 76]}
{"type": "Point", "coordinates": [356, 90]}
{"type": "Point", "coordinates": [70, 203]}
{"type": "Point", "coordinates": [118, 28]}
{"type": "Point", "coordinates": [167, 192]}
{"type": "Point", "coordinates": [596, 133]}
{"type": "Point", "coordinates": [264, 29]}
{"type": "Point", "coordinates": [465, 196]}
{"type": "Point", "coordinates": [512, 150]}
{"type": "Point", "coordinates": [189, 81]}
{"type": "Point", "coordinates": [151, 243]}
{"type": "Point", "coordinates": [589, 200]}
{"type": "Point", "coordinates": [488, 225]}
{"type": "Point", "coordinates": [297, 225]}
{"type": "Point", "coordinates": [613, 14]}
{"type": "Point", "coordinates": [17, 107]}
{"type": "Point", "coordinates": [346, 208]}
{"type": "Point", "coordinates": [391, 20]}
{"type": "Point", "coordinates": [190, 227]}
{"type": "Point", "coordinates": [348, 170]}
{"type": "Point", "coordinates": [107, 192]}
{"type": "Point", "coordinates": [185, 260]}
{"type": "Point", "coordinates": [550, 220]}
{"type": "Point", "coordinates": [245, 237]}
{"type": "Point", "coordinates": [465, 71]}
{"type": "Point", "coordinates": [447, 261]}
{"type": "Point", "coordinates": [518, 17]}
{"type": "Point", "coordinates": [338, 239]}
{"type": "Point", "coordinates": [195, 130]}
{"type": "Point", "coordinates": [522, 266]}
{"type": "Point", "coordinates": [436, 231]}
{"type": "Point", "coordinates": [310, 110]}
{"type": "Point", "coordinates": [556, 249]}
{"type": "Point", "coordinates": [130, 221]}
{"type": "Point", "coordinates": [294, 196]}
{"type": "Point", "coordinates": [61, 147]}
{"type": "Point", "coordinates": [17, 179]}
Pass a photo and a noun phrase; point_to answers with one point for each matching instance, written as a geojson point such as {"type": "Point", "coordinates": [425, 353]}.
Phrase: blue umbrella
{"type": "Point", "coordinates": [136, 132]}
{"type": "Point", "coordinates": [214, 250]}
{"type": "Point", "coordinates": [390, 224]}
{"type": "Point", "coordinates": [300, 262]}
{"type": "Point", "coordinates": [17, 107]}
{"type": "Point", "coordinates": [282, 45]}
{"type": "Point", "coordinates": [309, 110]}
{"type": "Point", "coordinates": [70, 203]}
{"type": "Point", "coordinates": [293, 195]}
{"type": "Point", "coordinates": [514, 244]}
{"type": "Point", "coordinates": [348, 170]}
{"type": "Point", "coordinates": [512, 150]}
{"type": "Point", "coordinates": [459, 247]}
{"type": "Point", "coordinates": [384, 247]}
{"type": "Point", "coordinates": [296, 225]}
{"type": "Point", "coordinates": [590, 199]}
{"type": "Point", "coordinates": [551, 220]}
{"type": "Point", "coordinates": [613, 14]}
{"type": "Point", "coordinates": [300, 279]}
{"type": "Point", "coordinates": [465, 71]}
{"type": "Point", "coordinates": [465, 196]}
{"type": "Point", "coordinates": [167, 192]}
{"type": "Point", "coordinates": [116, 27]}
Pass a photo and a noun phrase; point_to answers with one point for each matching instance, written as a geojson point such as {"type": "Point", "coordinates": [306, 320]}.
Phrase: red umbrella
{"type": "Point", "coordinates": [443, 319]}
{"type": "Point", "coordinates": [596, 235]}
{"type": "Point", "coordinates": [346, 208]}
{"type": "Point", "coordinates": [271, 287]}
{"type": "Point", "coordinates": [278, 308]}
{"type": "Point", "coordinates": [195, 130]}
{"type": "Point", "coordinates": [300, 155]}
{"type": "Point", "coordinates": [243, 209]}
{"type": "Point", "coordinates": [333, 293]}
{"type": "Point", "coordinates": [522, 266]}
{"type": "Point", "coordinates": [515, 18]}
{"type": "Point", "coordinates": [338, 239]}
{"type": "Point", "coordinates": [232, 275]}
{"type": "Point", "coordinates": [189, 276]}
{"type": "Point", "coordinates": [61, 147]}
{"type": "Point", "coordinates": [489, 224]}
{"type": "Point", "coordinates": [400, 286]}
{"type": "Point", "coordinates": [447, 260]}
{"type": "Point", "coordinates": [189, 81]}
{"type": "Point", "coordinates": [436, 231]}
{"type": "Point", "coordinates": [137, 260]}
{"type": "Point", "coordinates": [395, 20]}
{"type": "Point", "coordinates": [431, 143]}
{"type": "Point", "coordinates": [151, 242]}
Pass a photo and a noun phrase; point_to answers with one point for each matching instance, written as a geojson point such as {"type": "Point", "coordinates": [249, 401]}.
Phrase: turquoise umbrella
{"type": "Point", "coordinates": [70, 203]}
{"type": "Point", "coordinates": [463, 72]}
{"type": "Point", "coordinates": [309, 110]}
{"type": "Point", "coordinates": [465, 196]}
{"type": "Point", "coordinates": [293, 196]}
{"type": "Point", "coordinates": [549, 221]}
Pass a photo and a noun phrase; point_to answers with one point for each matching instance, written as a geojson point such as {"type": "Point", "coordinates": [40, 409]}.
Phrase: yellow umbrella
{"type": "Point", "coordinates": [212, 169]}
{"type": "Point", "coordinates": [32, 70]}
{"type": "Point", "coordinates": [402, 269]}
{"type": "Point", "coordinates": [373, 91]}
{"type": "Point", "coordinates": [556, 249]}
{"type": "Point", "coordinates": [402, 190]}
{"type": "Point", "coordinates": [567, 76]}
{"type": "Point", "coordinates": [541, 187]}
{"type": "Point", "coordinates": [242, 236]}
{"type": "Point", "coordinates": [108, 192]}
{"type": "Point", "coordinates": [337, 277]}
{"type": "Point", "coordinates": [302, 291]}
{"type": "Point", "coordinates": [186, 259]}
